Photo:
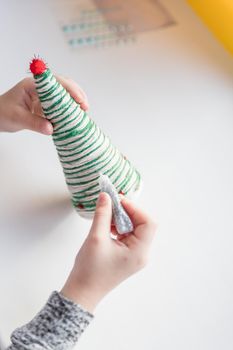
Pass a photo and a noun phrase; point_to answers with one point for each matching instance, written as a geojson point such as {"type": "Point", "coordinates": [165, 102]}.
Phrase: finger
{"type": "Point", "coordinates": [29, 86]}
{"type": "Point", "coordinates": [122, 238]}
{"type": "Point", "coordinates": [36, 123]}
{"type": "Point", "coordinates": [101, 225]}
{"type": "Point", "coordinates": [75, 91]}
{"type": "Point", "coordinates": [142, 234]}
{"type": "Point", "coordinates": [37, 108]}
{"type": "Point", "coordinates": [144, 226]}
{"type": "Point", "coordinates": [118, 235]}
{"type": "Point", "coordinates": [137, 216]}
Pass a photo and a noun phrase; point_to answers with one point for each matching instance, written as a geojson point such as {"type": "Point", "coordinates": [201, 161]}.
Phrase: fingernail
{"type": "Point", "coordinates": [102, 199]}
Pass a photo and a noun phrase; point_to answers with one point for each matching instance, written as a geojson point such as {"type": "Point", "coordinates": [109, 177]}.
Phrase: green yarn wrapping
{"type": "Point", "coordinates": [83, 149]}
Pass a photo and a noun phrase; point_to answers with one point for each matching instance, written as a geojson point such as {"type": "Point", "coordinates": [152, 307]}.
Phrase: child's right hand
{"type": "Point", "coordinates": [102, 263]}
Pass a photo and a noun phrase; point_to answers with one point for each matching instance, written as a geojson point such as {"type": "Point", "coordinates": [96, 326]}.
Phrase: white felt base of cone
{"type": "Point", "coordinates": [132, 195]}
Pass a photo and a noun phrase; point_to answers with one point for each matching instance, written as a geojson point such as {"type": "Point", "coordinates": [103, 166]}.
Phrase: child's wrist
{"type": "Point", "coordinates": [79, 294]}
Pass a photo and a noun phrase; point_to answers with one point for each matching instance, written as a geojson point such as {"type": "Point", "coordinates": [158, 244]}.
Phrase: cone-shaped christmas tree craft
{"type": "Point", "coordinates": [84, 150]}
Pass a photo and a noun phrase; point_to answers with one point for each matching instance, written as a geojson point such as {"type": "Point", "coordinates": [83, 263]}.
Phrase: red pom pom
{"type": "Point", "coordinates": [37, 66]}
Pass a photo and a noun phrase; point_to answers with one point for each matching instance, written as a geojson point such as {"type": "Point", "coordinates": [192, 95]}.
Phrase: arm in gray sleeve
{"type": "Point", "coordinates": [57, 326]}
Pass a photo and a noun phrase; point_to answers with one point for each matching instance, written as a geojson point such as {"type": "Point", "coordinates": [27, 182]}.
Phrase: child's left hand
{"type": "Point", "coordinates": [20, 106]}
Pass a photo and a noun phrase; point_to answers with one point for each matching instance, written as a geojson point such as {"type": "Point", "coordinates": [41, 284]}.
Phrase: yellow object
{"type": "Point", "coordinates": [218, 16]}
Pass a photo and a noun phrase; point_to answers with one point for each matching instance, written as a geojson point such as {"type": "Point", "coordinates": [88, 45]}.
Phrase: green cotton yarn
{"type": "Point", "coordinates": [84, 150]}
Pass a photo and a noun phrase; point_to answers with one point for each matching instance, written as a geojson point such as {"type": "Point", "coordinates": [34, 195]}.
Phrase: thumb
{"type": "Point", "coordinates": [37, 123]}
{"type": "Point", "coordinates": [101, 225]}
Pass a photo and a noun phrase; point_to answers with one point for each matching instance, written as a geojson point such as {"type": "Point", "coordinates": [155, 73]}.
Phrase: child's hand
{"type": "Point", "coordinates": [20, 107]}
{"type": "Point", "coordinates": [102, 263]}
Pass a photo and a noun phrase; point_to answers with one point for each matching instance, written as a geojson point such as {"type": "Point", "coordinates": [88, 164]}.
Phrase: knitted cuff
{"type": "Point", "coordinates": [57, 326]}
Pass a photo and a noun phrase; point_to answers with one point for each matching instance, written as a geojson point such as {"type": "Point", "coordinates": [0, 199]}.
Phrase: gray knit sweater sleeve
{"type": "Point", "coordinates": [57, 326]}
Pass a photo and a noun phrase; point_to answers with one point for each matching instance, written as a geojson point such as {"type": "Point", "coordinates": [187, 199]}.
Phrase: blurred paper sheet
{"type": "Point", "coordinates": [104, 22]}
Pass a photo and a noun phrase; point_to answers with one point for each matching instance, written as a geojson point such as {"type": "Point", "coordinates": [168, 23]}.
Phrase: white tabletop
{"type": "Point", "coordinates": [166, 101]}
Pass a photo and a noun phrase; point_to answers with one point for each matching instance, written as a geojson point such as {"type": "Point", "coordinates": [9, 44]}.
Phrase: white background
{"type": "Point", "coordinates": [167, 102]}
